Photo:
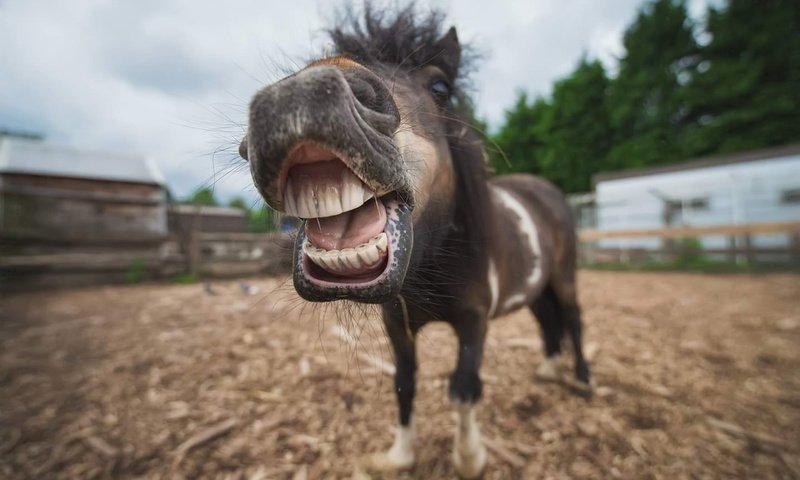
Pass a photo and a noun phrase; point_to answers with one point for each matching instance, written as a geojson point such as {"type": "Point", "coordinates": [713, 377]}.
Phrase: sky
{"type": "Point", "coordinates": [171, 79]}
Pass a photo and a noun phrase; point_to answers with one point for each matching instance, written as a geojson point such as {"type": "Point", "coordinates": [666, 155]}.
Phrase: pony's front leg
{"type": "Point", "coordinates": [402, 336]}
{"type": "Point", "coordinates": [469, 454]}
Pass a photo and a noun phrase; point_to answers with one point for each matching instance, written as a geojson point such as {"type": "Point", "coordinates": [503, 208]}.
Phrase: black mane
{"type": "Point", "coordinates": [404, 37]}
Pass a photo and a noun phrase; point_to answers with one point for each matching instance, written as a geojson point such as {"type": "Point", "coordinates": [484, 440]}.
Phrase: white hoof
{"type": "Point", "coordinates": [399, 457]}
{"type": "Point", "coordinates": [387, 462]}
{"type": "Point", "coordinates": [548, 370]}
{"type": "Point", "coordinates": [472, 465]}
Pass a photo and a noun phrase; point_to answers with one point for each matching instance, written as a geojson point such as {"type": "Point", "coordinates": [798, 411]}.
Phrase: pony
{"type": "Point", "coordinates": [369, 146]}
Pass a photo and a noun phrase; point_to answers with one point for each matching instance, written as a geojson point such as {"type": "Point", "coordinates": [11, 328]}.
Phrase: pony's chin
{"type": "Point", "coordinates": [378, 284]}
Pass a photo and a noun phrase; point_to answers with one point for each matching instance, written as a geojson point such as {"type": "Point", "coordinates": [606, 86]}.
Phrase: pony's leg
{"type": "Point", "coordinates": [469, 454]}
{"type": "Point", "coordinates": [572, 318]}
{"type": "Point", "coordinates": [401, 454]}
{"type": "Point", "coordinates": [570, 314]}
{"type": "Point", "coordinates": [546, 310]}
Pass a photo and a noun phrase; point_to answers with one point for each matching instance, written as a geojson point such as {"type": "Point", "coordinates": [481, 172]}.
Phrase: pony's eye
{"type": "Point", "coordinates": [441, 90]}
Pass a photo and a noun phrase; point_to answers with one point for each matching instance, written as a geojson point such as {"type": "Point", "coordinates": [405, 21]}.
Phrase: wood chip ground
{"type": "Point", "coordinates": [697, 376]}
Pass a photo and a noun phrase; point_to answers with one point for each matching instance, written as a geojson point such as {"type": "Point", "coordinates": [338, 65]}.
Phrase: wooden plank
{"type": "Point", "coordinates": [689, 232]}
{"type": "Point", "coordinates": [87, 196]}
{"type": "Point", "coordinates": [22, 236]}
{"type": "Point", "coordinates": [83, 261]}
{"type": "Point", "coordinates": [242, 237]}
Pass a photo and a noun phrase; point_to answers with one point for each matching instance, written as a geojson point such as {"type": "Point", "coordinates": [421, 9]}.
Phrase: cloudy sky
{"type": "Point", "coordinates": [171, 79]}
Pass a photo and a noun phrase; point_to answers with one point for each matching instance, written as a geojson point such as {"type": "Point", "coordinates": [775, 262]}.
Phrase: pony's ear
{"type": "Point", "coordinates": [450, 55]}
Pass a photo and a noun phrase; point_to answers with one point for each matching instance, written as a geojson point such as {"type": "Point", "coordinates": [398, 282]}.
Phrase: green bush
{"type": "Point", "coordinates": [135, 272]}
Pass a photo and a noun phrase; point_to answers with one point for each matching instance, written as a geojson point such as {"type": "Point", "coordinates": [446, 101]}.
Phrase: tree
{"type": "Point", "coordinates": [648, 106]}
{"type": "Point", "coordinates": [261, 219]}
{"type": "Point", "coordinates": [576, 128]}
{"type": "Point", "coordinates": [238, 202]}
{"type": "Point", "coordinates": [203, 196]}
{"type": "Point", "coordinates": [746, 94]}
{"type": "Point", "coordinates": [517, 144]}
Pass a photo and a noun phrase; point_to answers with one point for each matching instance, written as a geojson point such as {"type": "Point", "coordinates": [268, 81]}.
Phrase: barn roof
{"type": "Point", "coordinates": [36, 157]}
{"type": "Point", "coordinates": [714, 161]}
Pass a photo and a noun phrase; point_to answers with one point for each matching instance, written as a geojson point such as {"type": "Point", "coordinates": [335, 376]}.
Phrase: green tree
{"type": "Point", "coordinates": [747, 92]}
{"type": "Point", "coordinates": [517, 145]}
{"type": "Point", "coordinates": [576, 128]}
{"type": "Point", "coordinates": [261, 219]}
{"type": "Point", "coordinates": [649, 111]}
{"type": "Point", "coordinates": [203, 196]}
{"type": "Point", "coordinates": [238, 202]}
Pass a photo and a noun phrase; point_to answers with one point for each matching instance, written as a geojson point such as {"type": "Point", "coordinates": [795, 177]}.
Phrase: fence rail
{"type": "Point", "coordinates": [30, 263]}
{"type": "Point", "coordinates": [740, 245]}
{"type": "Point", "coordinates": [693, 232]}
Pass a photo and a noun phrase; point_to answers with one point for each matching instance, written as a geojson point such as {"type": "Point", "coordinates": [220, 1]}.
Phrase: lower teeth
{"type": "Point", "coordinates": [349, 259]}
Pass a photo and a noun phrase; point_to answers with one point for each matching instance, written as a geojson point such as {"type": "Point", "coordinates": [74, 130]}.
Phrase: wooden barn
{"type": "Point", "coordinates": [49, 191]}
{"type": "Point", "coordinates": [87, 216]}
{"type": "Point", "coordinates": [204, 218]}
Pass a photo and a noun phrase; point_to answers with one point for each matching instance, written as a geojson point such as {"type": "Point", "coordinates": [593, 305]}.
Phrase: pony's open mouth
{"type": "Point", "coordinates": [355, 242]}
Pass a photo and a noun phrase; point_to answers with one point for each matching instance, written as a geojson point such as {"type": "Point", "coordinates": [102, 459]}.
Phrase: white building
{"type": "Point", "coordinates": [750, 187]}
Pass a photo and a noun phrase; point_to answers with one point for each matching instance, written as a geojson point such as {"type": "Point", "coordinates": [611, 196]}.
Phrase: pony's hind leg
{"type": "Point", "coordinates": [570, 315]}
{"type": "Point", "coordinates": [546, 310]}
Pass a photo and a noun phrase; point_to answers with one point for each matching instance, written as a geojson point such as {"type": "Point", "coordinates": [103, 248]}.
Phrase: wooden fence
{"type": "Point", "coordinates": [33, 262]}
{"type": "Point", "coordinates": [740, 245]}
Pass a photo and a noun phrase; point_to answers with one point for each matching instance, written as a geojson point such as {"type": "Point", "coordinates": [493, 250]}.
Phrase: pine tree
{"type": "Point", "coordinates": [649, 111]}
{"type": "Point", "coordinates": [747, 92]}
{"type": "Point", "coordinates": [577, 128]}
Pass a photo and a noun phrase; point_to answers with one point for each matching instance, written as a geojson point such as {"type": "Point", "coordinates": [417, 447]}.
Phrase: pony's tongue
{"type": "Point", "coordinates": [348, 229]}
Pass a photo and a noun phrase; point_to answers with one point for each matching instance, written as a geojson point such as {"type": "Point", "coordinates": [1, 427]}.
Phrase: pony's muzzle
{"type": "Point", "coordinates": [349, 111]}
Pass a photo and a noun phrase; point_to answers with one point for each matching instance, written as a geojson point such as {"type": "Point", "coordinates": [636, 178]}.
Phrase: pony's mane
{"type": "Point", "coordinates": [405, 37]}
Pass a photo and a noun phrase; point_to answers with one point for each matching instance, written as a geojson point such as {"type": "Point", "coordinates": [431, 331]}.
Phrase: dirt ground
{"type": "Point", "coordinates": [697, 376]}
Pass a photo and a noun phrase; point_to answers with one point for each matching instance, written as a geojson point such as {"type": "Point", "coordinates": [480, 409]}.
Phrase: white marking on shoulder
{"type": "Point", "coordinates": [528, 227]}
{"type": "Point", "coordinates": [493, 287]}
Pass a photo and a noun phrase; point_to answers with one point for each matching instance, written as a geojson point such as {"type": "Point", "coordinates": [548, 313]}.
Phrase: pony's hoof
{"type": "Point", "coordinates": [583, 389]}
{"type": "Point", "coordinates": [387, 462]}
{"type": "Point", "coordinates": [548, 370]}
{"type": "Point", "coordinates": [470, 467]}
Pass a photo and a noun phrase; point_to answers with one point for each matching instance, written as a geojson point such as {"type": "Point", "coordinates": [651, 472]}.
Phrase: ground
{"type": "Point", "coordinates": [697, 376]}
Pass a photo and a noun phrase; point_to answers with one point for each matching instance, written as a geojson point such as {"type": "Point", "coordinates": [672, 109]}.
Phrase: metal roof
{"type": "Point", "coordinates": [714, 161]}
{"type": "Point", "coordinates": [35, 157]}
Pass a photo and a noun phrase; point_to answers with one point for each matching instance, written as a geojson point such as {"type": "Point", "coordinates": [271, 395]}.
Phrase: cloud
{"type": "Point", "coordinates": [171, 78]}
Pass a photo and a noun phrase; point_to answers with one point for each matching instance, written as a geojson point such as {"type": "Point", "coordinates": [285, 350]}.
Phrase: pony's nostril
{"type": "Point", "coordinates": [364, 93]}
{"type": "Point", "coordinates": [375, 101]}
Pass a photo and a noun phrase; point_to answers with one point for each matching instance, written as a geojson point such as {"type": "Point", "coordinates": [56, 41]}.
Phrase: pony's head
{"type": "Point", "coordinates": [359, 144]}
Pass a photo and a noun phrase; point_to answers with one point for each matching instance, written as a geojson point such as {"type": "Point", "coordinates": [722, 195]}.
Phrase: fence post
{"type": "Point", "coordinates": [794, 245]}
{"type": "Point", "coordinates": [749, 254]}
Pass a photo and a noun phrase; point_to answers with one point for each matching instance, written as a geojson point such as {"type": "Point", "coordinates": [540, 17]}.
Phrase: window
{"type": "Point", "coordinates": [790, 196]}
{"type": "Point", "coordinates": [698, 203]}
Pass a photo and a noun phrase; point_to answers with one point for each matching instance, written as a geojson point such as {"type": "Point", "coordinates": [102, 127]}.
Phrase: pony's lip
{"type": "Point", "coordinates": [315, 284]}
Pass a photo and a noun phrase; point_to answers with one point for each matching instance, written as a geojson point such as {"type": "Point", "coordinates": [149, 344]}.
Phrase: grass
{"type": "Point", "coordinates": [701, 265]}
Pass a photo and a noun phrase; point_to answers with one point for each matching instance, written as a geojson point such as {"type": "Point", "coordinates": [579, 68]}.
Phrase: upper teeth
{"type": "Point", "coordinates": [324, 198]}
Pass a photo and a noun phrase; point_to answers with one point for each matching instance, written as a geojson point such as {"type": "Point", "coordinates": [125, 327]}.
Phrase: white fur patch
{"type": "Point", "coordinates": [549, 368]}
{"type": "Point", "coordinates": [493, 287]}
{"type": "Point", "coordinates": [469, 454]}
{"type": "Point", "coordinates": [400, 455]}
{"type": "Point", "coordinates": [528, 227]}
{"type": "Point", "coordinates": [402, 452]}
{"type": "Point", "coordinates": [514, 301]}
